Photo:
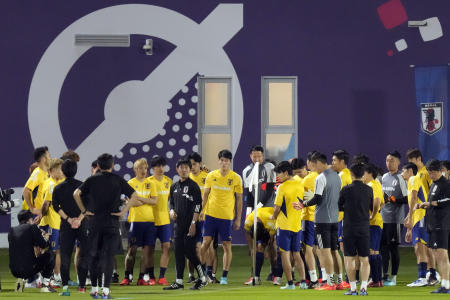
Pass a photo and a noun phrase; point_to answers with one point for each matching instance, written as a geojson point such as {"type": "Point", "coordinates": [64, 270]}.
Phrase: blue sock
{"type": "Point", "coordinates": [224, 273]}
{"type": "Point", "coordinates": [373, 271]}
{"type": "Point", "coordinates": [432, 273]}
{"type": "Point", "coordinates": [162, 272]}
{"type": "Point", "coordinates": [279, 266]}
{"type": "Point", "coordinates": [422, 270]}
{"type": "Point", "coordinates": [209, 270]}
{"type": "Point", "coordinates": [379, 266]}
{"type": "Point", "coordinates": [259, 263]}
{"type": "Point", "coordinates": [151, 272]}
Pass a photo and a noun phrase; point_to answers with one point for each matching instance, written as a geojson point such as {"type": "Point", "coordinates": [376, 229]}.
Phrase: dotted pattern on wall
{"type": "Point", "coordinates": [177, 139]}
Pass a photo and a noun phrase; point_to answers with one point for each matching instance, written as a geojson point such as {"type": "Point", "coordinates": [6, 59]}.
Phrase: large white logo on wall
{"type": "Point", "coordinates": [134, 104]}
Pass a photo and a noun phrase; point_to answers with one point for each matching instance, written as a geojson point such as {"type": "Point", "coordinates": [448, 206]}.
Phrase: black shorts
{"type": "Point", "coordinates": [104, 237]}
{"type": "Point", "coordinates": [439, 239]}
{"type": "Point", "coordinates": [391, 234]}
{"type": "Point", "coordinates": [327, 235]}
{"type": "Point", "coordinates": [357, 241]}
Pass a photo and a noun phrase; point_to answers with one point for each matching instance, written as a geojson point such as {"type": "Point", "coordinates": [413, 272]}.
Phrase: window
{"type": "Point", "coordinates": [279, 117]}
{"type": "Point", "coordinates": [214, 118]}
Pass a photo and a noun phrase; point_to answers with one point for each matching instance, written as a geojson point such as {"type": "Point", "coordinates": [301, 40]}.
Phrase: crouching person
{"type": "Point", "coordinates": [28, 252]}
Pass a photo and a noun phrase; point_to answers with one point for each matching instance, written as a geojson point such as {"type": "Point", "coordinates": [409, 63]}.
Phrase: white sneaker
{"type": "Point", "coordinates": [48, 289]}
{"type": "Point", "coordinates": [55, 283]}
{"type": "Point", "coordinates": [288, 287]}
{"type": "Point", "coordinates": [20, 285]}
{"type": "Point", "coordinates": [418, 283]}
{"type": "Point", "coordinates": [32, 285]}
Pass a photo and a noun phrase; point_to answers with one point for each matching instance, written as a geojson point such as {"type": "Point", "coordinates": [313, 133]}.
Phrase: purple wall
{"type": "Point", "coordinates": [353, 93]}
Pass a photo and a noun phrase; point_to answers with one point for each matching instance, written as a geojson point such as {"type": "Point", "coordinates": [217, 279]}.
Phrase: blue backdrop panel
{"type": "Point", "coordinates": [432, 99]}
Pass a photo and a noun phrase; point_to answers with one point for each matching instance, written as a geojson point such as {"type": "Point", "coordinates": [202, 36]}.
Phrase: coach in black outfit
{"type": "Point", "coordinates": [356, 200]}
{"type": "Point", "coordinates": [104, 189]}
{"type": "Point", "coordinates": [72, 227]}
{"type": "Point", "coordinates": [23, 240]}
{"type": "Point", "coordinates": [438, 221]}
{"type": "Point", "coordinates": [185, 202]}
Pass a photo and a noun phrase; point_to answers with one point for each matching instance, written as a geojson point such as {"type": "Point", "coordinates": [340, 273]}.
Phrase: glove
{"type": "Point", "coordinates": [308, 195]}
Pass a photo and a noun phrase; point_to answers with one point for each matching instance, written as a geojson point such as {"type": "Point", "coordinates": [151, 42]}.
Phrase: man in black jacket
{"type": "Point", "coordinates": [185, 201]}
{"type": "Point", "coordinates": [27, 256]}
{"type": "Point", "coordinates": [72, 227]}
{"type": "Point", "coordinates": [356, 200]}
{"type": "Point", "coordinates": [104, 189]}
{"type": "Point", "coordinates": [438, 221]}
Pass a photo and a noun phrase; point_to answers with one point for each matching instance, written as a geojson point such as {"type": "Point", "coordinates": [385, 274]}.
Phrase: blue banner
{"type": "Point", "coordinates": [432, 98]}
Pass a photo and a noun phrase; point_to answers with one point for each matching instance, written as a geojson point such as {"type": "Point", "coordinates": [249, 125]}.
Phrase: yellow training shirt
{"type": "Point", "coordinates": [346, 179]}
{"type": "Point", "coordinates": [161, 209]}
{"type": "Point", "coordinates": [415, 184]}
{"type": "Point", "coordinates": [36, 180]}
{"type": "Point", "coordinates": [221, 198]}
{"type": "Point", "coordinates": [425, 178]}
{"type": "Point", "coordinates": [287, 193]}
{"type": "Point", "coordinates": [309, 185]}
{"type": "Point", "coordinates": [200, 179]}
{"type": "Point", "coordinates": [144, 189]}
{"type": "Point", "coordinates": [377, 193]}
{"type": "Point", "coordinates": [52, 218]}
{"type": "Point", "coordinates": [264, 214]}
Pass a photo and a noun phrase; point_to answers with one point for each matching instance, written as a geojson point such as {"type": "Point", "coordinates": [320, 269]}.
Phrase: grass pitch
{"type": "Point", "coordinates": [240, 271]}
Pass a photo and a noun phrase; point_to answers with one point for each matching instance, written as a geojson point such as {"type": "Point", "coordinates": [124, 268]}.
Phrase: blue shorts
{"type": "Point", "coordinates": [215, 226]}
{"type": "Point", "coordinates": [340, 232]}
{"type": "Point", "coordinates": [163, 233]}
{"type": "Point", "coordinates": [54, 237]}
{"type": "Point", "coordinates": [200, 236]}
{"type": "Point", "coordinates": [288, 240]}
{"type": "Point", "coordinates": [375, 237]}
{"type": "Point", "coordinates": [308, 233]}
{"type": "Point", "coordinates": [142, 234]}
{"type": "Point", "coordinates": [419, 233]}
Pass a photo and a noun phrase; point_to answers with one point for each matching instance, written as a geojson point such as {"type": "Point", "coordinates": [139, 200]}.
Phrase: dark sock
{"type": "Point", "coordinates": [432, 273]}
{"type": "Point", "coordinates": [141, 275]}
{"type": "Point", "coordinates": [319, 275]}
{"type": "Point", "coordinates": [151, 272]}
{"type": "Point", "coordinates": [290, 282]}
{"type": "Point", "coordinates": [373, 271]}
{"type": "Point", "coordinates": [224, 273]}
{"type": "Point", "coordinates": [422, 270]}
{"type": "Point", "coordinates": [127, 274]}
{"type": "Point", "coordinates": [279, 272]}
{"type": "Point", "coordinates": [395, 259]}
{"type": "Point", "coordinates": [209, 270]}
{"type": "Point", "coordinates": [379, 266]}
{"type": "Point", "coordinates": [259, 263]}
{"type": "Point", "coordinates": [357, 274]}
{"type": "Point", "coordinates": [162, 272]}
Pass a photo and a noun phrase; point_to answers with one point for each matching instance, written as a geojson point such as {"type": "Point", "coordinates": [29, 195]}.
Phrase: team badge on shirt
{"type": "Point", "coordinates": [185, 189]}
{"type": "Point", "coordinates": [431, 117]}
{"type": "Point", "coordinates": [203, 180]}
{"type": "Point", "coordinates": [147, 185]}
{"type": "Point", "coordinates": [230, 181]}
{"type": "Point", "coordinates": [166, 184]}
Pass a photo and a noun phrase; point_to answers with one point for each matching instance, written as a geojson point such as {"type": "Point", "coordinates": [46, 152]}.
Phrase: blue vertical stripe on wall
{"type": "Point", "coordinates": [432, 86]}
